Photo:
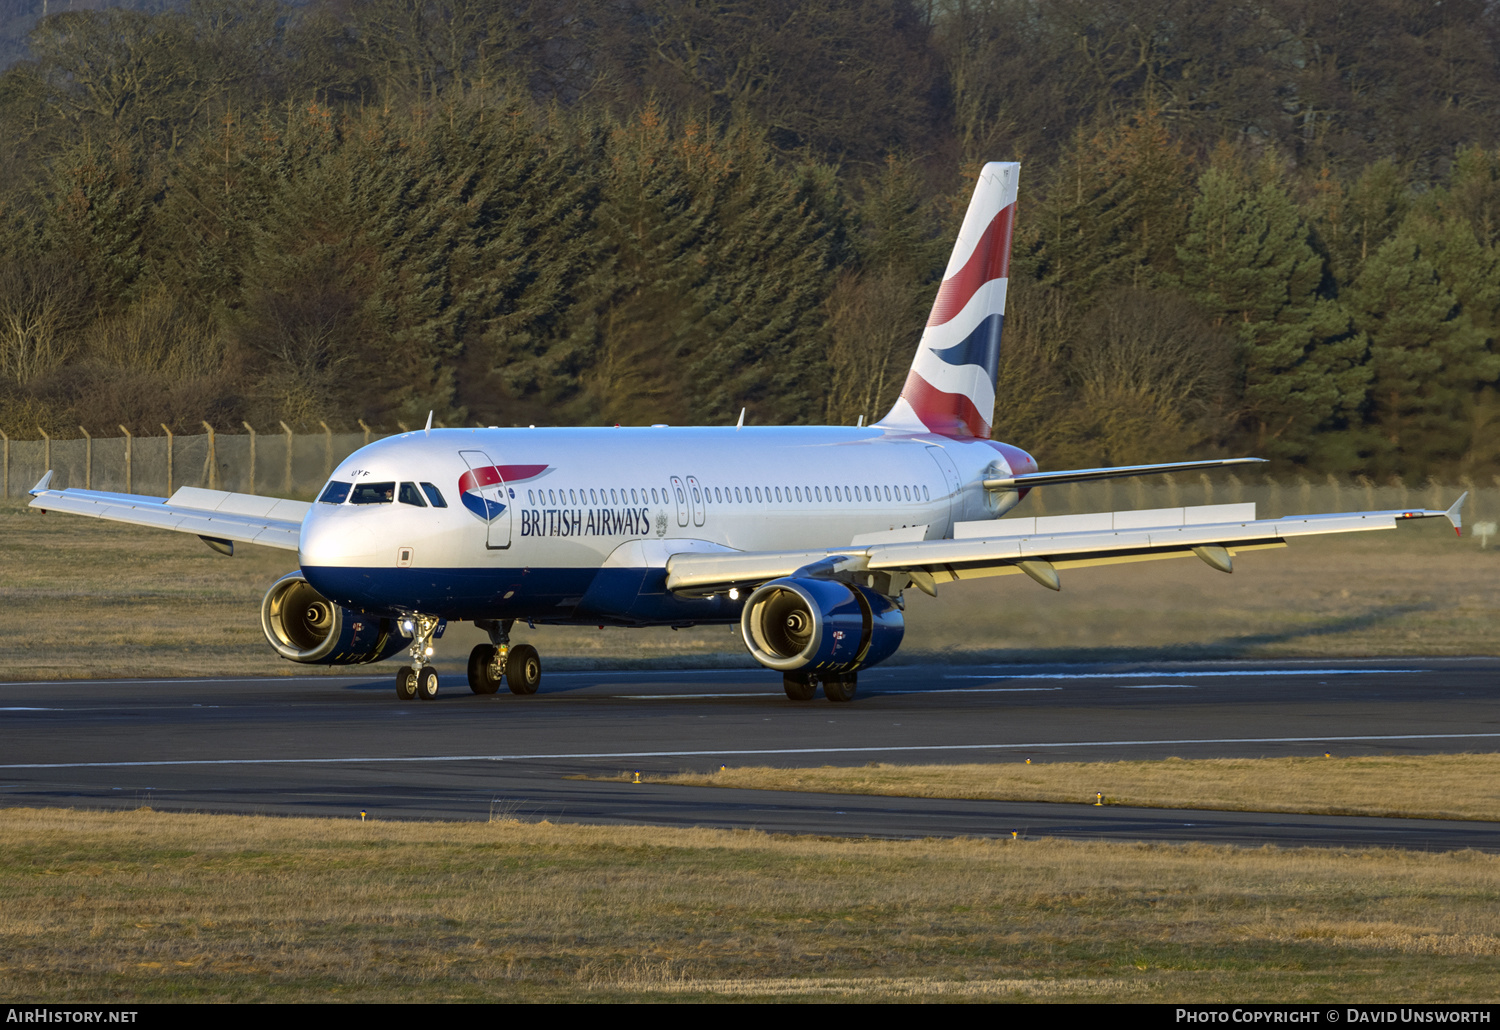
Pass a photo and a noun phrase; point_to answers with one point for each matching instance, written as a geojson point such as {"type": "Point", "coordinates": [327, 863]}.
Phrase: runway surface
{"type": "Point", "coordinates": [334, 746]}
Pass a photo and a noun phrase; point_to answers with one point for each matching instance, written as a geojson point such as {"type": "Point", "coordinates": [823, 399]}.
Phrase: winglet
{"type": "Point", "coordinates": [741, 423]}
{"type": "Point", "coordinates": [1453, 515]}
{"type": "Point", "coordinates": [41, 484]}
{"type": "Point", "coordinates": [428, 428]}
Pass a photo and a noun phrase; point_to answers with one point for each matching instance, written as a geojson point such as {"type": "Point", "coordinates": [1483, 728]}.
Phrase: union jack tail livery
{"type": "Point", "coordinates": [951, 386]}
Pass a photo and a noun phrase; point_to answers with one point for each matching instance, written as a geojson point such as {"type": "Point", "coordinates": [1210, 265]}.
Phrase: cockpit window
{"type": "Point", "coordinates": [411, 495]}
{"type": "Point", "coordinates": [335, 493]}
{"type": "Point", "coordinates": [434, 495]}
{"type": "Point", "coordinates": [374, 493]}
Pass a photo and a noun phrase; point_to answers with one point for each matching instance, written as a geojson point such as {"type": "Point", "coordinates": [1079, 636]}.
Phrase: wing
{"type": "Point", "coordinates": [218, 517]}
{"type": "Point", "coordinates": [1037, 547]}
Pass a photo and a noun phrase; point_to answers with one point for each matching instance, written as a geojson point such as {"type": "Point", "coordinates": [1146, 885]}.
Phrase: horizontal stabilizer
{"type": "Point", "coordinates": [1033, 479]}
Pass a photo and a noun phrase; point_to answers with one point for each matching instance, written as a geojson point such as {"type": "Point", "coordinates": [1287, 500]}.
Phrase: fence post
{"type": "Point", "coordinates": [288, 430]}
{"type": "Point", "coordinates": [251, 430]}
{"type": "Point", "coordinates": [212, 459]}
{"type": "Point", "coordinates": [129, 447]}
{"type": "Point", "coordinates": [47, 454]}
{"type": "Point", "coordinates": [5, 491]}
{"type": "Point", "coordinates": [88, 459]}
{"type": "Point", "coordinates": [169, 457]}
{"type": "Point", "coordinates": [1208, 488]}
{"type": "Point", "coordinates": [367, 431]}
{"type": "Point", "coordinates": [327, 450]}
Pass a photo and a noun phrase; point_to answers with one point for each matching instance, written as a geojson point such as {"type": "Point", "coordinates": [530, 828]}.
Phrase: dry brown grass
{"type": "Point", "coordinates": [144, 906]}
{"type": "Point", "coordinates": [109, 600]}
{"type": "Point", "coordinates": [1416, 786]}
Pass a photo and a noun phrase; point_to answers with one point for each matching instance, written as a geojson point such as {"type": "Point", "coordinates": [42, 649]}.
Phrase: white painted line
{"type": "Point", "coordinates": [963, 690]}
{"type": "Point", "coordinates": [1171, 675]}
{"type": "Point", "coordinates": [1155, 686]}
{"type": "Point", "coordinates": [685, 697]}
{"type": "Point", "coordinates": [33, 709]}
{"type": "Point", "coordinates": [378, 760]}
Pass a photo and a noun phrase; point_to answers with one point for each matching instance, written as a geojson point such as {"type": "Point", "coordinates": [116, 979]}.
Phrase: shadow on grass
{"type": "Point", "coordinates": [1224, 648]}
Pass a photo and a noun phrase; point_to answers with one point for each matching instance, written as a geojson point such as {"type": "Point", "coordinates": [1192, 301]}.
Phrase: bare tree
{"type": "Point", "coordinates": [39, 317]}
{"type": "Point", "coordinates": [872, 334]}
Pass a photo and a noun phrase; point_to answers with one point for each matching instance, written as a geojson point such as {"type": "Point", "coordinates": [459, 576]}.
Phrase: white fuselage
{"type": "Point", "coordinates": [559, 507]}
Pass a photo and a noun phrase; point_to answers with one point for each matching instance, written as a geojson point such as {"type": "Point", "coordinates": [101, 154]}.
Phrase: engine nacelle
{"type": "Point", "coordinates": [820, 625]}
{"type": "Point", "coordinates": [304, 626]}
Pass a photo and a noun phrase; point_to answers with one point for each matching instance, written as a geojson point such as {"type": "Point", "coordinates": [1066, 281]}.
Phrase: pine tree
{"type": "Point", "coordinates": [1248, 262]}
{"type": "Point", "coordinates": [1428, 359]}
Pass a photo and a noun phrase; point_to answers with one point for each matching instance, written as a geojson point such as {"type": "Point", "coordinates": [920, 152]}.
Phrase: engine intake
{"type": "Point", "coordinates": [820, 625]}
{"type": "Point", "coordinates": [304, 626]}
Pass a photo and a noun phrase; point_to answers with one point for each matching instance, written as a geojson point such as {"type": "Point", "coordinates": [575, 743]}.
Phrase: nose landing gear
{"type": "Point", "coordinates": [419, 679]}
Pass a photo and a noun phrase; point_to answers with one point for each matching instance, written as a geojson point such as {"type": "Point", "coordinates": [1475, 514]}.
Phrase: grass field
{"type": "Point", "coordinates": [106, 600]}
{"type": "Point", "coordinates": [1422, 786]}
{"type": "Point", "coordinates": [144, 906]}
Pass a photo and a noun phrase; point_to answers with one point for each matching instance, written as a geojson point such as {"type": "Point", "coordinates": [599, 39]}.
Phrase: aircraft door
{"type": "Point", "coordinates": [486, 496]}
{"type": "Point", "coordinates": [682, 501]}
{"type": "Point", "coordinates": [696, 493]}
{"type": "Point", "coordinates": [950, 482]}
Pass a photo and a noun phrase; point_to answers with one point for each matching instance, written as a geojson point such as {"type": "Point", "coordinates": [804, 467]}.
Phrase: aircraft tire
{"type": "Point", "coordinates": [481, 659]}
{"type": "Point", "coordinates": [840, 689]}
{"type": "Point", "coordinates": [523, 670]}
{"type": "Point", "coordinates": [799, 686]}
{"type": "Point", "coordinates": [427, 683]}
{"type": "Point", "coordinates": [406, 683]}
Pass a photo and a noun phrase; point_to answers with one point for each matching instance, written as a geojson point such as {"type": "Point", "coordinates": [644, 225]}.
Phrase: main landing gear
{"type": "Point", "coordinates": [801, 686]}
{"type": "Point", "coordinates": [419, 679]}
{"type": "Point", "coordinates": [520, 666]}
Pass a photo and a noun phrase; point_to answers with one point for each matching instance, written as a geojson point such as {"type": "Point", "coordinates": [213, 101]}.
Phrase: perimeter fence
{"type": "Point", "coordinates": [291, 464]}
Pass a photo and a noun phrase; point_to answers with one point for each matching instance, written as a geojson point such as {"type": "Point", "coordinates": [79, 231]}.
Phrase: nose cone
{"type": "Point", "coordinates": [336, 537]}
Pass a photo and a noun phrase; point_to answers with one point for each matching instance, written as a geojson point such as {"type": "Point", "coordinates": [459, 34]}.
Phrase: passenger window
{"type": "Point", "coordinates": [925, 495]}
{"type": "Point", "coordinates": [613, 498]}
{"type": "Point", "coordinates": [531, 497]}
{"type": "Point", "coordinates": [411, 495]}
{"type": "Point", "coordinates": [374, 493]}
{"type": "Point", "coordinates": [335, 493]}
{"type": "Point", "coordinates": [434, 495]}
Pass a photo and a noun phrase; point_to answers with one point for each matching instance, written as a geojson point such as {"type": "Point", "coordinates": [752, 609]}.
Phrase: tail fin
{"type": "Point", "coordinates": [951, 386]}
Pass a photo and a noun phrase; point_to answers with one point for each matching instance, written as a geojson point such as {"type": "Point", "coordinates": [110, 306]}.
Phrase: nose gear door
{"type": "Point", "coordinates": [486, 496]}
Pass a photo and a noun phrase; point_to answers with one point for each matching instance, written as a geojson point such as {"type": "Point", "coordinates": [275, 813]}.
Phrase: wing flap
{"type": "Point", "coordinates": [1102, 538]}
{"type": "Point", "coordinates": [209, 513]}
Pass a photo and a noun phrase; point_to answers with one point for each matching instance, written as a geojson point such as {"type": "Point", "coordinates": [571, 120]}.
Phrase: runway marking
{"type": "Point", "coordinates": [1171, 675]}
{"type": "Point", "coordinates": [685, 697]}
{"type": "Point", "coordinates": [964, 690]}
{"type": "Point", "coordinates": [1155, 686]}
{"type": "Point", "coordinates": [33, 709]}
{"type": "Point", "coordinates": [376, 760]}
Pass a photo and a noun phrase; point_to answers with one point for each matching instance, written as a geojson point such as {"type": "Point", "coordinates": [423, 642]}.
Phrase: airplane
{"type": "Point", "coordinates": [806, 536]}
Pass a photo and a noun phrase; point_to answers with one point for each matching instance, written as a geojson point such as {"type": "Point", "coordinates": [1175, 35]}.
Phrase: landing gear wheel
{"type": "Point", "coordinates": [427, 683]}
{"type": "Point", "coordinates": [839, 688]}
{"type": "Point", "coordinates": [406, 683]}
{"type": "Point", "coordinates": [484, 678]}
{"type": "Point", "coordinates": [523, 670]}
{"type": "Point", "coordinates": [799, 686]}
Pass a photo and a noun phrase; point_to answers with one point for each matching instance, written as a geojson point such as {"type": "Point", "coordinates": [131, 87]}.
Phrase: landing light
{"type": "Point", "coordinates": [734, 593]}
